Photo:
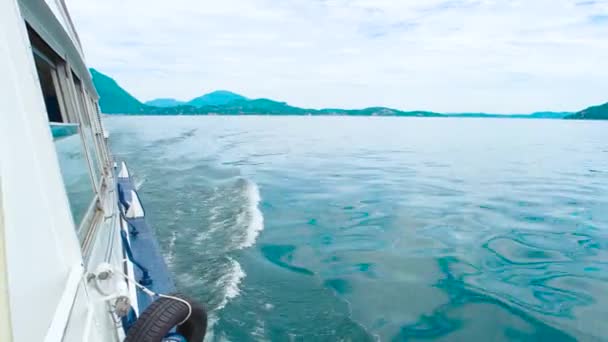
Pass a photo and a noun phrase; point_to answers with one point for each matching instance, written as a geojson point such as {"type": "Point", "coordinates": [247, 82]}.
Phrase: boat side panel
{"type": "Point", "coordinates": [39, 232]}
{"type": "Point", "coordinates": [89, 320]}
{"type": "Point", "coordinates": [58, 9]}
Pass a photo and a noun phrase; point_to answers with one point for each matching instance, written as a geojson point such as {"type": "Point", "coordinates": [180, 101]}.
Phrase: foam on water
{"type": "Point", "coordinates": [233, 279]}
{"type": "Point", "coordinates": [246, 225]}
{"type": "Point", "coordinates": [253, 222]}
{"type": "Point", "coordinates": [215, 222]}
{"type": "Point", "coordinates": [256, 219]}
{"type": "Point", "coordinates": [139, 182]}
{"type": "Point", "coordinates": [230, 283]}
{"type": "Point", "coordinates": [170, 256]}
{"type": "Point", "coordinates": [232, 215]}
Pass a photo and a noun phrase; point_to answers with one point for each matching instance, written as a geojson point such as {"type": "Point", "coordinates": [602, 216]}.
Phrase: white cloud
{"type": "Point", "coordinates": [443, 55]}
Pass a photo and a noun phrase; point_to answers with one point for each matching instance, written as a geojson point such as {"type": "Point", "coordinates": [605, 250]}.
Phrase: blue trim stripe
{"type": "Point", "coordinates": [144, 250]}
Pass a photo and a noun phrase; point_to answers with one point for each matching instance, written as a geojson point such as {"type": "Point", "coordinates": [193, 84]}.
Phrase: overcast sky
{"type": "Point", "coordinates": [503, 56]}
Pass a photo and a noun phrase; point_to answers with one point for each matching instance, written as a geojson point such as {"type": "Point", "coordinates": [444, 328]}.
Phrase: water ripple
{"type": "Point", "coordinates": [382, 228]}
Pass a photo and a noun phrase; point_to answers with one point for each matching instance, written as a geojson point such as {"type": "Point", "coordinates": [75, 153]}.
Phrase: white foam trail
{"type": "Point", "coordinates": [260, 330]}
{"type": "Point", "coordinates": [230, 281]}
{"type": "Point", "coordinates": [256, 219]}
{"type": "Point", "coordinates": [210, 334]}
{"type": "Point", "coordinates": [214, 224]}
{"type": "Point", "coordinates": [252, 221]}
{"type": "Point", "coordinates": [139, 183]}
{"type": "Point", "coordinates": [171, 254]}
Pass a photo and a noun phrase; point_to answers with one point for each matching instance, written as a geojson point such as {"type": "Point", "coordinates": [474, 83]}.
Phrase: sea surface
{"type": "Point", "coordinates": [391, 229]}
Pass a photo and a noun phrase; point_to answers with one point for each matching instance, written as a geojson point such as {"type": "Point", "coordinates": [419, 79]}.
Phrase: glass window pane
{"type": "Point", "coordinates": [87, 130]}
{"type": "Point", "coordinates": [52, 100]}
{"type": "Point", "coordinates": [90, 144]}
{"type": "Point", "coordinates": [74, 169]}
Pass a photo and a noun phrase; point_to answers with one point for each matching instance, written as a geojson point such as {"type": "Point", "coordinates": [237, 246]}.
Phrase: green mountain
{"type": "Point", "coordinates": [112, 98]}
{"type": "Point", "coordinates": [216, 98]}
{"type": "Point", "coordinates": [592, 113]}
{"type": "Point", "coordinates": [270, 107]}
{"type": "Point", "coordinates": [168, 102]}
{"type": "Point", "coordinates": [257, 106]}
{"type": "Point", "coordinates": [115, 100]}
{"type": "Point", "coordinates": [549, 115]}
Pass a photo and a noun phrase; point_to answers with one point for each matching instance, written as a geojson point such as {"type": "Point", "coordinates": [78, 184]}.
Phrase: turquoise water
{"type": "Point", "coordinates": [334, 228]}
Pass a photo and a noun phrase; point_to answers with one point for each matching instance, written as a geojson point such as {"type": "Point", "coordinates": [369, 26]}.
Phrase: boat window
{"type": "Point", "coordinates": [68, 133]}
{"type": "Point", "coordinates": [88, 131]}
{"type": "Point", "coordinates": [74, 169]}
{"type": "Point", "coordinates": [98, 128]}
{"type": "Point", "coordinates": [46, 61]}
{"type": "Point", "coordinates": [49, 91]}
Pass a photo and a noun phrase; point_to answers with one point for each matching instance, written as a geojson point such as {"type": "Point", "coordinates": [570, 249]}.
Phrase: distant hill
{"type": "Point", "coordinates": [257, 106]}
{"type": "Point", "coordinates": [112, 98]}
{"type": "Point", "coordinates": [115, 100]}
{"type": "Point", "coordinates": [270, 107]}
{"type": "Point", "coordinates": [536, 115]}
{"type": "Point", "coordinates": [592, 113]}
{"type": "Point", "coordinates": [376, 111]}
{"type": "Point", "coordinates": [216, 98]}
{"type": "Point", "coordinates": [549, 115]}
{"type": "Point", "coordinates": [168, 102]}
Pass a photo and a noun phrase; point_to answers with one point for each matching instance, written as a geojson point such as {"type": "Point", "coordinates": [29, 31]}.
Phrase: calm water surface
{"type": "Point", "coordinates": [334, 228]}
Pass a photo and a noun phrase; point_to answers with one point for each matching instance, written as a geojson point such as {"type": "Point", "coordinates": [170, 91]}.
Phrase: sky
{"type": "Point", "coordinates": [498, 56]}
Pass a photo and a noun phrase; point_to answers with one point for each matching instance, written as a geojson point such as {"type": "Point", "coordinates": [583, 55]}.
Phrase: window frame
{"type": "Point", "coordinates": [55, 79]}
{"type": "Point", "coordinates": [74, 109]}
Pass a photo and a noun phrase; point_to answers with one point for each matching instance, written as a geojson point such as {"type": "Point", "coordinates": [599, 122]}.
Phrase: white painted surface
{"type": "Point", "coordinates": [62, 16]}
{"type": "Point", "coordinates": [41, 246]}
{"type": "Point", "coordinates": [49, 300]}
{"type": "Point", "coordinates": [64, 307]}
{"type": "Point", "coordinates": [124, 172]}
{"type": "Point", "coordinates": [135, 208]}
{"type": "Point", "coordinates": [6, 333]}
{"type": "Point", "coordinates": [90, 320]}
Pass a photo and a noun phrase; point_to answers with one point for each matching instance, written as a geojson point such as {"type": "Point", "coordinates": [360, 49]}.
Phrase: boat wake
{"type": "Point", "coordinates": [253, 215]}
{"type": "Point", "coordinates": [207, 238]}
{"type": "Point", "coordinates": [230, 281]}
{"type": "Point", "coordinates": [139, 182]}
{"type": "Point", "coordinates": [244, 230]}
{"type": "Point", "coordinates": [232, 222]}
{"type": "Point", "coordinates": [233, 218]}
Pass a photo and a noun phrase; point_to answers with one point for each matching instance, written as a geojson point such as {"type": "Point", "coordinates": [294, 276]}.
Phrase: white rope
{"type": "Point", "coordinates": [152, 294]}
{"type": "Point", "coordinates": [99, 288]}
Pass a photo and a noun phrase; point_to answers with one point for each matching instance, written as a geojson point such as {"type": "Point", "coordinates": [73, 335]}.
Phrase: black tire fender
{"type": "Point", "coordinates": [165, 313]}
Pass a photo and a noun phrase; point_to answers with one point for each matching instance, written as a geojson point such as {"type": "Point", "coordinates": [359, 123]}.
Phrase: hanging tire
{"type": "Point", "coordinates": [165, 313]}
